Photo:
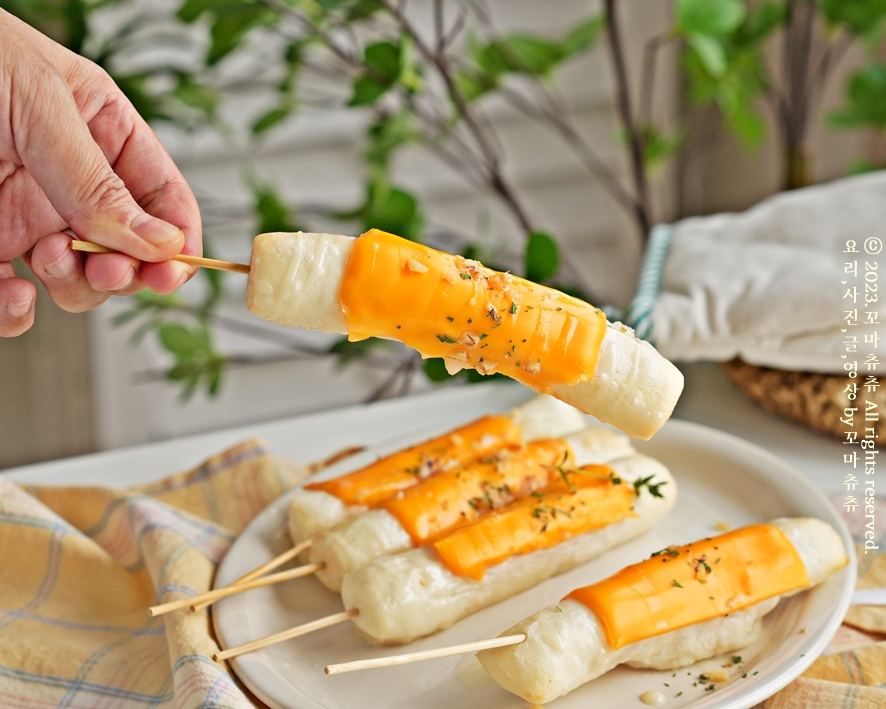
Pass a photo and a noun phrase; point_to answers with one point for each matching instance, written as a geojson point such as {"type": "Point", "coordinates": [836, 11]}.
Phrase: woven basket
{"type": "Point", "coordinates": [814, 400]}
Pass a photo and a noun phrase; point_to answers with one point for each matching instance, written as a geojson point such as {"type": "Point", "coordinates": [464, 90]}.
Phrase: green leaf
{"type": "Point", "coordinates": [487, 58]}
{"type": "Point", "coordinates": [334, 4]}
{"type": "Point", "coordinates": [746, 123]}
{"type": "Point", "coordinates": [582, 37]}
{"type": "Point", "coordinates": [473, 85]}
{"type": "Point", "coordinates": [293, 59]}
{"type": "Point", "coordinates": [271, 212]}
{"type": "Point", "coordinates": [179, 340]}
{"type": "Point", "coordinates": [348, 351]}
{"type": "Point", "coordinates": [155, 300]}
{"type": "Point", "coordinates": [213, 279]}
{"type": "Point", "coordinates": [472, 376]}
{"type": "Point", "coordinates": [384, 62]}
{"type": "Point", "coordinates": [58, 20]}
{"type": "Point", "coordinates": [865, 100]}
{"type": "Point", "coordinates": [396, 212]}
{"type": "Point", "coordinates": [385, 59]}
{"type": "Point", "coordinates": [524, 54]}
{"type": "Point", "coordinates": [134, 87]}
{"type": "Point", "coordinates": [761, 22]}
{"type": "Point", "coordinates": [542, 257]}
{"type": "Point", "coordinates": [195, 95]}
{"type": "Point", "coordinates": [862, 17]}
{"type": "Point", "coordinates": [215, 381]}
{"type": "Point", "coordinates": [270, 119]}
{"type": "Point", "coordinates": [736, 91]}
{"type": "Point", "coordinates": [658, 147]}
{"type": "Point", "coordinates": [711, 53]}
{"type": "Point", "coordinates": [388, 133]}
{"type": "Point", "coordinates": [366, 91]}
{"type": "Point", "coordinates": [139, 334]}
{"type": "Point", "coordinates": [195, 360]}
{"type": "Point", "coordinates": [127, 315]}
{"type": "Point", "coordinates": [388, 208]}
{"type": "Point", "coordinates": [191, 10]}
{"type": "Point", "coordinates": [363, 9]}
{"type": "Point", "coordinates": [860, 166]}
{"type": "Point", "coordinates": [435, 370]}
{"type": "Point", "coordinates": [709, 17]}
{"type": "Point", "coordinates": [232, 23]}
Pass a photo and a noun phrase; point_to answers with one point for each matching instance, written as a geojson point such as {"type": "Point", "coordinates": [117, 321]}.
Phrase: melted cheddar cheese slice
{"type": "Point", "coordinates": [399, 471]}
{"type": "Point", "coordinates": [680, 586]}
{"type": "Point", "coordinates": [450, 500]}
{"type": "Point", "coordinates": [450, 307]}
{"type": "Point", "coordinates": [578, 503]}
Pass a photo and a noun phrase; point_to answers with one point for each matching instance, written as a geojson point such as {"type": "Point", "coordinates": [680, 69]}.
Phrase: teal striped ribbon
{"type": "Point", "coordinates": [639, 313]}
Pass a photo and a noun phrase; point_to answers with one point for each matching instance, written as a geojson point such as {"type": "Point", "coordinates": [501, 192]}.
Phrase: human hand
{"type": "Point", "coordinates": [74, 154]}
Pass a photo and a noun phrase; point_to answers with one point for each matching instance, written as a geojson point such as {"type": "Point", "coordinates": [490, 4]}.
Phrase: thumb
{"type": "Point", "coordinates": [56, 147]}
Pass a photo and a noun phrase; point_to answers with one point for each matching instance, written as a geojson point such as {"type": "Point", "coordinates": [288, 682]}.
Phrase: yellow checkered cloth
{"type": "Point", "coordinates": [79, 567]}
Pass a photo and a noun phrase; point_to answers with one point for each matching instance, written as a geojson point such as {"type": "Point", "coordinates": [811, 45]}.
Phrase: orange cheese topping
{"type": "Point", "coordinates": [453, 499]}
{"type": "Point", "coordinates": [447, 306]}
{"type": "Point", "coordinates": [574, 505]}
{"type": "Point", "coordinates": [680, 586]}
{"type": "Point", "coordinates": [386, 477]}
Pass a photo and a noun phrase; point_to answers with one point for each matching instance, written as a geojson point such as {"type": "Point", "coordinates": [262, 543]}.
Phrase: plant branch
{"type": "Point", "coordinates": [554, 115]}
{"type": "Point", "coordinates": [556, 118]}
{"type": "Point", "coordinates": [797, 66]}
{"type": "Point", "coordinates": [439, 27]}
{"type": "Point", "coordinates": [495, 176]}
{"type": "Point", "coordinates": [830, 58]}
{"type": "Point", "coordinates": [404, 369]}
{"type": "Point", "coordinates": [635, 140]}
{"type": "Point", "coordinates": [313, 30]}
{"type": "Point", "coordinates": [802, 70]}
{"type": "Point", "coordinates": [647, 82]}
{"type": "Point", "coordinates": [456, 28]}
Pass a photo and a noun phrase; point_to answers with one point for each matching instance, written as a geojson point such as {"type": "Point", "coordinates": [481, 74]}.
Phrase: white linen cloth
{"type": "Point", "coordinates": [770, 284]}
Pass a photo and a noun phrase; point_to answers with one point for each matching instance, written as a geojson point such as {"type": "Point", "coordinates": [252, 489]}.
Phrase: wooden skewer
{"type": "Point", "coordinates": [184, 258]}
{"type": "Point", "coordinates": [154, 611]}
{"type": "Point", "coordinates": [424, 655]}
{"type": "Point", "coordinates": [255, 573]}
{"type": "Point", "coordinates": [298, 548]}
{"type": "Point", "coordinates": [334, 458]}
{"type": "Point", "coordinates": [286, 634]}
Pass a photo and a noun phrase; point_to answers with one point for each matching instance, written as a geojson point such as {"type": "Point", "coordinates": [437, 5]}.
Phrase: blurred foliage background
{"type": "Point", "coordinates": [427, 79]}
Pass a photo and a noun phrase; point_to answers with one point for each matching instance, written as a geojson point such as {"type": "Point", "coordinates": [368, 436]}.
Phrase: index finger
{"type": "Point", "coordinates": [154, 181]}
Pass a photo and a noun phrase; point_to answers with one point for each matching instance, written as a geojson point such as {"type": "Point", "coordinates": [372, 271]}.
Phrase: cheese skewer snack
{"type": "Point", "coordinates": [589, 511]}
{"type": "Point", "coordinates": [322, 505]}
{"type": "Point", "coordinates": [452, 499]}
{"type": "Point", "coordinates": [685, 604]}
{"type": "Point", "coordinates": [380, 285]}
{"type": "Point", "coordinates": [406, 596]}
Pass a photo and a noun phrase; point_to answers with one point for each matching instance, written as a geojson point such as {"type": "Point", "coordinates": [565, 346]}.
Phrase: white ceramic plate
{"type": "Point", "coordinates": [721, 479]}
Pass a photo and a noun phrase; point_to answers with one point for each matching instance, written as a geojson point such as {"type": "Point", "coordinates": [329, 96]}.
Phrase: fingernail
{"type": "Point", "coordinates": [64, 268]}
{"type": "Point", "coordinates": [126, 282]}
{"type": "Point", "coordinates": [18, 310]}
{"type": "Point", "coordinates": [186, 272]}
{"type": "Point", "coordinates": [155, 231]}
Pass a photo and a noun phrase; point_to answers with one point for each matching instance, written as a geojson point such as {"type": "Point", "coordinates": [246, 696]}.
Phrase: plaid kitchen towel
{"type": "Point", "coordinates": [80, 566]}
